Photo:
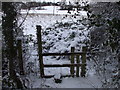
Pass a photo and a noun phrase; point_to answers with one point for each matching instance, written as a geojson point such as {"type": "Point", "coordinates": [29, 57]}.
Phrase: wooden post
{"type": "Point", "coordinates": [39, 40]}
{"type": "Point", "coordinates": [83, 67]}
{"type": "Point", "coordinates": [72, 61]}
{"type": "Point", "coordinates": [20, 58]}
{"type": "Point", "coordinates": [77, 68]}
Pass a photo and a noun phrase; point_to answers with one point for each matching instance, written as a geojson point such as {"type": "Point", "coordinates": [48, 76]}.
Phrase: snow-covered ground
{"type": "Point", "coordinates": [59, 34]}
{"type": "Point", "coordinates": [87, 82]}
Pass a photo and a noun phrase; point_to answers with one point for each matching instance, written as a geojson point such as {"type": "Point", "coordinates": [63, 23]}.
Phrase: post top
{"type": "Point", "coordinates": [38, 25]}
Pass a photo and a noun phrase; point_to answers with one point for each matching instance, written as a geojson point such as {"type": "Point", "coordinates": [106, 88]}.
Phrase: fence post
{"type": "Point", "coordinates": [83, 67]}
{"type": "Point", "coordinates": [20, 58]}
{"type": "Point", "coordinates": [72, 61]}
{"type": "Point", "coordinates": [39, 40]}
{"type": "Point", "coordinates": [77, 68]}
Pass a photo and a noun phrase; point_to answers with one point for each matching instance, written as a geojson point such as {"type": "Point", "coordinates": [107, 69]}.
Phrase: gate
{"type": "Point", "coordinates": [72, 55]}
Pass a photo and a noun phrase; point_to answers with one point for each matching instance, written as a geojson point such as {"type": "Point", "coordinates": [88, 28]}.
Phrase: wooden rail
{"type": "Point", "coordinates": [62, 54]}
{"type": "Point", "coordinates": [62, 65]}
{"type": "Point", "coordinates": [68, 54]}
{"type": "Point", "coordinates": [50, 76]}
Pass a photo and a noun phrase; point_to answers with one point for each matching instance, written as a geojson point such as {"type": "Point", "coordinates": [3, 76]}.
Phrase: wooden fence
{"type": "Point", "coordinates": [20, 56]}
{"type": "Point", "coordinates": [72, 55]}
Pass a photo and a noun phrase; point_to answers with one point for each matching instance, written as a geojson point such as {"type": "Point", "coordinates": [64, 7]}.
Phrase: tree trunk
{"type": "Point", "coordinates": [8, 26]}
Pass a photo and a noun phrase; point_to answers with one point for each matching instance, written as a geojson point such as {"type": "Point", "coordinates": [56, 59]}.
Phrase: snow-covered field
{"type": "Point", "coordinates": [59, 34]}
{"type": "Point", "coordinates": [52, 10]}
{"type": "Point", "coordinates": [45, 18]}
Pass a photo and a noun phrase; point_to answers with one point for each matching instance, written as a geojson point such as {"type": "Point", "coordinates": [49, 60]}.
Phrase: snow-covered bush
{"type": "Point", "coordinates": [105, 37]}
{"type": "Point", "coordinates": [60, 37]}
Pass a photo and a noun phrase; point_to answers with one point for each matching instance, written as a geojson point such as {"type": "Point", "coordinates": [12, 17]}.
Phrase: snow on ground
{"type": "Point", "coordinates": [88, 82]}
{"type": "Point", "coordinates": [91, 81]}
{"type": "Point", "coordinates": [59, 34]}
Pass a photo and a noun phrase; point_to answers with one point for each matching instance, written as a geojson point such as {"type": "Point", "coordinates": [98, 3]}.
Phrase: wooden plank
{"type": "Point", "coordinates": [62, 54]}
{"type": "Point", "coordinates": [39, 40]}
{"type": "Point", "coordinates": [72, 61]}
{"type": "Point", "coordinates": [83, 67]}
{"type": "Point", "coordinates": [77, 68]}
{"type": "Point", "coordinates": [50, 76]}
{"type": "Point", "coordinates": [69, 54]}
{"type": "Point", "coordinates": [62, 65]}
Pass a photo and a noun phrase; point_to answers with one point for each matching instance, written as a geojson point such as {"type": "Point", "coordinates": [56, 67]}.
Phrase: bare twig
{"type": "Point", "coordinates": [24, 18]}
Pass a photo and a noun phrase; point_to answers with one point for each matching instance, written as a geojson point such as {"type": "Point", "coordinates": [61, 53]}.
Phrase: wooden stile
{"type": "Point", "coordinates": [72, 54]}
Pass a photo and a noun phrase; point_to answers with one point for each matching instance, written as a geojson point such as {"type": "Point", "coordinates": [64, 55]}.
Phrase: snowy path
{"type": "Point", "coordinates": [87, 82]}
